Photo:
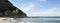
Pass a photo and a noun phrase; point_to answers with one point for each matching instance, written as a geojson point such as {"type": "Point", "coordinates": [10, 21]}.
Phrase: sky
{"type": "Point", "coordinates": [38, 7]}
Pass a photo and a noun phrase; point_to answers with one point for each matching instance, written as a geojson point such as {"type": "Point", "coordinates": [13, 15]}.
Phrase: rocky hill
{"type": "Point", "coordinates": [8, 10]}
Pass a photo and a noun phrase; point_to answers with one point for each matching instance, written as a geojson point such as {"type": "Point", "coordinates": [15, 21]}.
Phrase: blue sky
{"type": "Point", "coordinates": [38, 7]}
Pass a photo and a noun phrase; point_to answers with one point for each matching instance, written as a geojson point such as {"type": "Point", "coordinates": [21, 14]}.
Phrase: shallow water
{"type": "Point", "coordinates": [30, 20]}
{"type": "Point", "coordinates": [38, 20]}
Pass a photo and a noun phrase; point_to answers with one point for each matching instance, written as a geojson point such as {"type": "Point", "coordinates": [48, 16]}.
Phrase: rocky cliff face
{"type": "Point", "coordinates": [8, 10]}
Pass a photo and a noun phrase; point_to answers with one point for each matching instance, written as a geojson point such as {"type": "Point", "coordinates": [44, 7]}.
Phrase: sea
{"type": "Point", "coordinates": [37, 20]}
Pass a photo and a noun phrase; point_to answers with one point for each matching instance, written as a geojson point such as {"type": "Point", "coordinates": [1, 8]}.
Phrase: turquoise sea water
{"type": "Point", "coordinates": [38, 20]}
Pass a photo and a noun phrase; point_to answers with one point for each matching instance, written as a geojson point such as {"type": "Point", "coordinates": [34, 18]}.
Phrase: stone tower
{"type": "Point", "coordinates": [8, 10]}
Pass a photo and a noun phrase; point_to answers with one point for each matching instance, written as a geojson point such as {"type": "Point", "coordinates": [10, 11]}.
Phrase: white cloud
{"type": "Point", "coordinates": [27, 7]}
{"type": "Point", "coordinates": [51, 12]}
{"type": "Point", "coordinates": [42, 0]}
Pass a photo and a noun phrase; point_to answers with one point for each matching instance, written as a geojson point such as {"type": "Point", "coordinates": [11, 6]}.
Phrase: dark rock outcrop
{"type": "Point", "coordinates": [8, 10]}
